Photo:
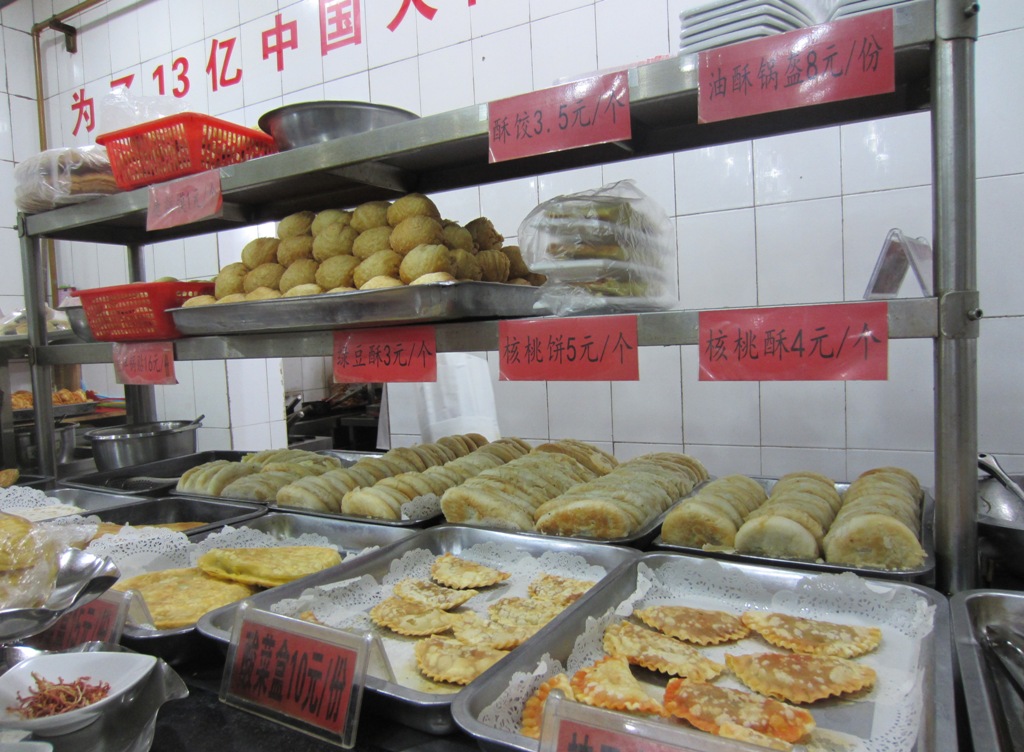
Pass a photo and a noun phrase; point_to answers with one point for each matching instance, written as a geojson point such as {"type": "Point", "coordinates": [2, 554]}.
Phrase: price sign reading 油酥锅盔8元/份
{"type": "Point", "coordinates": [844, 59]}
{"type": "Point", "coordinates": [591, 348]}
{"type": "Point", "coordinates": [580, 113]}
{"type": "Point", "coordinates": [838, 342]}
{"type": "Point", "coordinates": [396, 354]}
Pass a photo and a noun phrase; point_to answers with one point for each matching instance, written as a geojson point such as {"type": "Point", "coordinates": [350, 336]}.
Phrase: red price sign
{"type": "Point", "coordinates": [597, 348]}
{"type": "Point", "coordinates": [101, 619]}
{"type": "Point", "coordinates": [184, 201]}
{"type": "Point", "coordinates": [845, 59]}
{"type": "Point", "coordinates": [581, 113]}
{"type": "Point", "coordinates": [843, 342]}
{"type": "Point", "coordinates": [405, 353]}
{"type": "Point", "coordinates": [144, 363]}
{"type": "Point", "coordinates": [574, 736]}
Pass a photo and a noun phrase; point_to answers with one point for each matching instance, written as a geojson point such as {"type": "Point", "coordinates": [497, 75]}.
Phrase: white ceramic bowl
{"type": "Point", "coordinates": [121, 671]}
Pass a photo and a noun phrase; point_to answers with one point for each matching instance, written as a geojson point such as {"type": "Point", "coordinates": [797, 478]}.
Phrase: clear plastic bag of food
{"type": "Point", "coordinates": [604, 250]}
{"type": "Point", "coordinates": [28, 562]}
{"type": "Point", "coordinates": [57, 177]}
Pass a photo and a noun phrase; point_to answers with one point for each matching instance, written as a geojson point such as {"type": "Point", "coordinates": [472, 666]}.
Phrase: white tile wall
{"type": "Point", "coordinates": [498, 71]}
{"type": "Point", "coordinates": [554, 59]}
{"type": "Point", "coordinates": [714, 178]}
{"type": "Point", "coordinates": [800, 252]}
{"type": "Point", "coordinates": [631, 31]}
{"type": "Point", "coordinates": [797, 166]}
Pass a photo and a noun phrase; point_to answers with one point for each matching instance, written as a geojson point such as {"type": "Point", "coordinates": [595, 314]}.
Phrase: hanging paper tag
{"type": "Point", "coordinates": [838, 342]}
{"type": "Point", "coordinates": [144, 363]}
{"type": "Point", "coordinates": [304, 675]}
{"type": "Point", "coordinates": [845, 59]}
{"type": "Point", "coordinates": [592, 348]}
{"type": "Point", "coordinates": [184, 201]}
{"type": "Point", "coordinates": [396, 354]}
{"type": "Point", "coordinates": [580, 113]}
{"type": "Point", "coordinates": [100, 620]}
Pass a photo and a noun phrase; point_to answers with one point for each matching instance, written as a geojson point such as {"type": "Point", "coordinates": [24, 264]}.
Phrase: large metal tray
{"type": "Point", "coordinates": [91, 499]}
{"type": "Point", "coordinates": [409, 304]}
{"type": "Point", "coordinates": [184, 644]}
{"type": "Point", "coordinates": [995, 710]}
{"type": "Point", "coordinates": [59, 411]}
{"type": "Point", "coordinates": [924, 574]}
{"type": "Point", "coordinates": [557, 639]}
{"type": "Point", "coordinates": [421, 710]}
{"type": "Point", "coordinates": [214, 513]}
{"type": "Point", "coordinates": [149, 478]}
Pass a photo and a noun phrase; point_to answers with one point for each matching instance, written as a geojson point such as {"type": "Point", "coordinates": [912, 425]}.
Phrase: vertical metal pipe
{"type": "Point", "coordinates": [140, 401]}
{"type": "Point", "coordinates": [956, 419]}
{"type": "Point", "coordinates": [33, 262]}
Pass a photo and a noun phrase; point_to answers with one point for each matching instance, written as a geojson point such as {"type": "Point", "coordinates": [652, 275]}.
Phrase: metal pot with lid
{"type": "Point", "coordinates": [123, 446]}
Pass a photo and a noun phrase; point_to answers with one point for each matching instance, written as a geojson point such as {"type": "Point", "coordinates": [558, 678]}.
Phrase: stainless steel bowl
{"type": "Point", "coordinates": [28, 453]}
{"type": "Point", "coordinates": [79, 323]}
{"type": "Point", "coordinates": [124, 446]}
{"type": "Point", "coordinates": [296, 125]}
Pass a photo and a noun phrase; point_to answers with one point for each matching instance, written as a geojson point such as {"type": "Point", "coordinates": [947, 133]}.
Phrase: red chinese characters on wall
{"type": "Point", "coordinates": [218, 62]}
{"type": "Point", "coordinates": [85, 112]}
{"type": "Point", "coordinates": [340, 24]}
{"type": "Point", "coordinates": [280, 37]}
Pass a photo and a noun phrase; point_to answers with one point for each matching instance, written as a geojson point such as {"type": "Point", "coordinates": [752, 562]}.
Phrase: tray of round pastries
{"type": "Point", "coordinates": [785, 658]}
{"type": "Point", "coordinates": [446, 603]}
{"type": "Point", "coordinates": [880, 525]}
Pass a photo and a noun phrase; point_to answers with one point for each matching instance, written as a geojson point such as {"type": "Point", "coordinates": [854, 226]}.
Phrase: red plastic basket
{"type": "Point", "coordinates": [180, 145]}
{"type": "Point", "coordinates": [127, 313]}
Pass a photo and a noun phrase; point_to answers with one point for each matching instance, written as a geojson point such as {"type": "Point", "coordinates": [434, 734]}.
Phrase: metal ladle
{"type": "Point", "coordinates": [1006, 508]}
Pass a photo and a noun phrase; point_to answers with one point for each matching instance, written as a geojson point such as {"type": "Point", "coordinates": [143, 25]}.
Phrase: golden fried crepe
{"type": "Point", "coordinates": [414, 231]}
{"type": "Point", "coordinates": [409, 205]}
{"type": "Point", "coordinates": [267, 567]}
{"type": "Point", "coordinates": [260, 251]}
{"type": "Point", "coordinates": [178, 597]}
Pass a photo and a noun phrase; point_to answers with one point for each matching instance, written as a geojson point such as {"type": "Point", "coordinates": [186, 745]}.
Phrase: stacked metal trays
{"type": "Point", "coordinates": [995, 707]}
{"type": "Point", "coordinates": [421, 710]}
{"type": "Point", "coordinates": [923, 574]}
{"type": "Point", "coordinates": [182, 644]}
{"type": "Point", "coordinates": [938, 718]}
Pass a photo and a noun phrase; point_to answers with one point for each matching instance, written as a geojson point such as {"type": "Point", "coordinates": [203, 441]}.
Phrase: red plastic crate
{"type": "Point", "coordinates": [128, 313]}
{"type": "Point", "coordinates": [180, 145]}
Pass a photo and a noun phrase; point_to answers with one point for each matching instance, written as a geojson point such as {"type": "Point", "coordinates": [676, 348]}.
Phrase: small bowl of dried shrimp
{"type": "Point", "coordinates": [57, 693]}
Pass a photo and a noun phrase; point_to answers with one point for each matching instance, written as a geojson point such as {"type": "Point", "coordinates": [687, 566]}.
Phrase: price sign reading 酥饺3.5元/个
{"type": "Point", "coordinates": [845, 59]}
{"type": "Point", "coordinates": [580, 113]}
{"type": "Point", "coordinates": [838, 342]}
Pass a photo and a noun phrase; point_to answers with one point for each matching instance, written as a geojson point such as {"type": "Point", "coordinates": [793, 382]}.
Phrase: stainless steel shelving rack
{"type": "Point", "coordinates": [934, 70]}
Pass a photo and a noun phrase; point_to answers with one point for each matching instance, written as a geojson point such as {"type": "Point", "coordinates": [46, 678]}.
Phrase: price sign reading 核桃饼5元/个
{"type": "Point", "coordinates": [845, 59]}
{"type": "Point", "coordinates": [589, 348]}
{"type": "Point", "coordinates": [580, 113]}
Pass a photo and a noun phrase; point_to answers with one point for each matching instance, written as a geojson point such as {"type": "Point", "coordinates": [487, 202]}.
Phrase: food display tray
{"type": "Point", "coordinates": [59, 411]}
{"type": "Point", "coordinates": [92, 500]}
{"type": "Point", "coordinates": [213, 513]}
{"type": "Point", "coordinates": [557, 640]}
{"type": "Point", "coordinates": [149, 478]}
{"type": "Point", "coordinates": [924, 574]}
{"type": "Point", "coordinates": [995, 707]}
{"type": "Point", "coordinates": [421, 710]}
{"type": "Point", "coordinates": [184, 644]}
{"type": "Point", "coordinates": [411, 304]}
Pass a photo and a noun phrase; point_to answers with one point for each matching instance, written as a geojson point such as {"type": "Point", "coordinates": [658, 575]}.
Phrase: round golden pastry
{"type": "Point", "coordinates": [414, 231]}
{"type": "Point", "coordinates": [425, 259]}
{"type": "Point", "coordinates": [329, 217]}
{"type": "Point", "coordinates": [230, 280]}
{"type": "Point", "coordinates": [370, 214]}
{"type": "Point", "coordinates": [516, 265]}
{"type": "Point", "coordinates": [264, 275]}
{"type": "Point", "coordinates": [536, 279]}
{"type": "Point", "coordinates": [381, 281]}
{"type": "Point", "coordinates": [457, 236]}
{"type": "Point", "coordinates": [382, 263]}
{"type": "Point", "coordinates": [295, 224]}
{"type": "Point", "coordinates": [519, 281]}
{"type": "Point", "coordinates": [432, 278]}
{"type": "Point", "coordinates": [370, 241]}
{"type": "Point", "coordinates": [411, 205]}
{"type": "Point", "coordinates": [294, 248]}
{"type": "Point", "coordinates": [337, 271]}
{"type": "Point", "coordinates": [310, 288]}
{"type": "Point", "coordinates": [302, 272]}
{"type": "Point", "coordinates": [259, 251]}
{"type": "Point", "coordinates": [494, 265]}
{"type": "Point", "coordinates": [235, 297]}
{"type": "Point", "coordinates": [485, 237]}
{"type": "Point", "coordinates": [465, 265]}
{"type": "Point", "coordinates": [263, 293]}
{"type": "Point", "coordinates": [344, 289]}
{"type": "Point", "coordinates": [199, 300]}
{"type": "Point", "coordinates": [333, 240]}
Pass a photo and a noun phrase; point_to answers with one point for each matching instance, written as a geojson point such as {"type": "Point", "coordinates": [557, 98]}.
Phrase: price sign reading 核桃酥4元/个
{"type": "Point", "coordinates": [845, 59]}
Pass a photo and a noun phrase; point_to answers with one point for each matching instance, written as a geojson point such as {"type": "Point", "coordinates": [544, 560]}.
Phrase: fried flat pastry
{"type": "Point", "coordinates": [710, 707]}
{"type": "Point", "coordinates": [611, 685]}
{"type": "Point", "coordinates": [472, 630]}
{"type": "Point", "coordinates": [518, 612]}
{"type": "Point", "coordinates": [453, 572]}
{"type": "Point", "coordinates": [408, 618]}
{"type": "Point", "coordinates": [743, 734]}
{"type": "Point", "coordinates": [800, 678]}
{"type": "Point", "coordinates": [558, 589]}
{"type": "Point", "coordinates": [178, 597]}
{"type": "Point", "coordinates": [658, 652]}
{"type": "Point", "coordinates": [533, 710]}
{"type": "Point", "coordinates": [267, 567]}
{"type": "Point", "coordinates": [447, 660]}
{"type": "Point", "coordinates": [812, 636]}
{"type": "Point", "coordinates": [697, 625]}
{"type": "Point", "coordinates": [429, 594]}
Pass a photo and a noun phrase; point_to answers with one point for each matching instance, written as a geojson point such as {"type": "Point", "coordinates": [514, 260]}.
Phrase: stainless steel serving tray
{"type": "Point", "coordinates": [924, 574]}
{"type": "Point", "coordinates": [92, 499]}
{"type": "Point", "coordinates": [995, 710]}
{"type": "Point", "coordinates": [149, 478]}
{"type": "Point", "coordinates": [938, 731]}
{"type": "Point", "coordinates": [214, 513]}
{"type": "Point", "coordinates": [184, 644]}
{"type": "Point", "coordinates": [444, 301]}
{"type": "Point", "coordinates": [59, 411]}
{"type": "Point", "coordinates": [422, 710]}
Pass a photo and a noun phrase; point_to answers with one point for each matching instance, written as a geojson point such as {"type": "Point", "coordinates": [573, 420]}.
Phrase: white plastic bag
{"type": "Point", "coordinates": [57, 177]}
{"type": "Point", "coordinates": [460, 401]}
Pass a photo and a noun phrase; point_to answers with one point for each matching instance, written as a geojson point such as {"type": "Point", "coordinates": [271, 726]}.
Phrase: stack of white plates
{"type": "Point", "coordinates": [853, 7]}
